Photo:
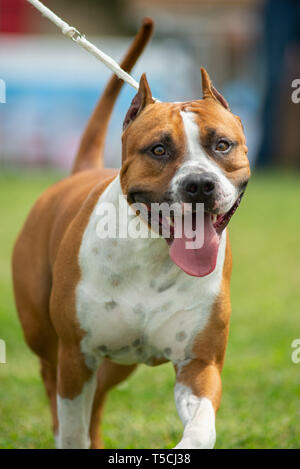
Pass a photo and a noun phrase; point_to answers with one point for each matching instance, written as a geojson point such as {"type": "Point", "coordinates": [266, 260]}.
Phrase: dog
{"type": "Point", "coordinates": [94, 307]}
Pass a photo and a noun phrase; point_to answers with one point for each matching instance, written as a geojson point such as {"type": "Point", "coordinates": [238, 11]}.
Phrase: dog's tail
{"type": "Point", "coordinates": [90, 153]}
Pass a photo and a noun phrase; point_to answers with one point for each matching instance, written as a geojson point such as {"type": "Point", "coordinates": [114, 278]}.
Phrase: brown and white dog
{"type": "Point", "coordinates": [93, 308]}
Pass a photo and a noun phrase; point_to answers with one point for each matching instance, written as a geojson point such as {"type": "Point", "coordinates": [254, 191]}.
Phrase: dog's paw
{"type": "Point", "coordinates": [196, 441]}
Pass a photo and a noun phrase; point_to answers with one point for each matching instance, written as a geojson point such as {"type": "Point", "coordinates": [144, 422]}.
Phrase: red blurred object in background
{"type": "Point", "coordinates": [15, 16]}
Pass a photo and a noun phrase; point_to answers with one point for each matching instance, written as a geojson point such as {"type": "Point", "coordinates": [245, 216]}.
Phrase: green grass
{"type": "Point", "coordinates": [261, 385]}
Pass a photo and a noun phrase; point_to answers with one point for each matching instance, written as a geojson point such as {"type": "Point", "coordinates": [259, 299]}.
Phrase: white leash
{"type": "Point", "coordinates": [80, 39]}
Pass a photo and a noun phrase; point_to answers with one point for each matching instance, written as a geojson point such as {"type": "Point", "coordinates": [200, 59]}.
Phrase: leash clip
{"type": "Point", "coordinates": [73, 33]}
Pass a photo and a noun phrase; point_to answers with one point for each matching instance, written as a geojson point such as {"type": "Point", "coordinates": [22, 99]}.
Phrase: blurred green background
{"type": "Point", "coordinates": [261, 385]}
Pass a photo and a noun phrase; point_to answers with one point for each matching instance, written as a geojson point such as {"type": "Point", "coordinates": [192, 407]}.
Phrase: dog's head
{"type": "Point", "coordinates": [187, 153]}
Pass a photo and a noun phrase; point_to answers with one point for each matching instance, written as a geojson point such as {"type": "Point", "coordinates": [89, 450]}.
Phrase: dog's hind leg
{"type": "Point", "coordinates": [32, 286]}
{"type": "Point", "coordinates": [109, 375]}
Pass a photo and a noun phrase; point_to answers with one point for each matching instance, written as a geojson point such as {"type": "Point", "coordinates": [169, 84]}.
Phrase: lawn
{"type": "Point", "coordinates": [261, 385]}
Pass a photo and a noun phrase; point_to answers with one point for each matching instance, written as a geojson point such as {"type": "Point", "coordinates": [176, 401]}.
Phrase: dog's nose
{"type": "Point", "coordinates": [198, 188]}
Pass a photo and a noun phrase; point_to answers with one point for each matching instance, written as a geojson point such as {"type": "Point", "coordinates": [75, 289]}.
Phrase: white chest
{"type": "Point", "coordinates": [133, 302]}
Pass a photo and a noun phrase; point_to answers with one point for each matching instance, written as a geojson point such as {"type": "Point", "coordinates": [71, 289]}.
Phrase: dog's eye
{"type": "Point", "coordinates": [158, 150]}
{"type": "Point", "coordinates": [223, 145]}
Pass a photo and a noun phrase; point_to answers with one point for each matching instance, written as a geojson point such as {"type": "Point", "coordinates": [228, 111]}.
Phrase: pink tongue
{"type": "Point", "coordinates": [200, 261]}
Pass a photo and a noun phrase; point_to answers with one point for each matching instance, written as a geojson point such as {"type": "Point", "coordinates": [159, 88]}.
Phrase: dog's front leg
{"type": "Point", "coordinates": [76, 390]}
{"type": "Point", "coordinates": [197, 397]}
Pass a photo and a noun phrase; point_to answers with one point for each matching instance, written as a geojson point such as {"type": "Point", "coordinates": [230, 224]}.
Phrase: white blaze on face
{"type": "Point", "coordinates": [197, 161]}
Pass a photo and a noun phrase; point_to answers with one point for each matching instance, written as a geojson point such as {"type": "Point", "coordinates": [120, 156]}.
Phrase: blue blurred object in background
{"type": "Point", "coordinates": [53, 86]}
{"type": "Point", "coordinates": [281, 32]}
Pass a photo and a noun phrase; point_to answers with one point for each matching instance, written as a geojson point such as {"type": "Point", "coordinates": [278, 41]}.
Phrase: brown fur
{"type": "Point", "coordinates": [152, 175]}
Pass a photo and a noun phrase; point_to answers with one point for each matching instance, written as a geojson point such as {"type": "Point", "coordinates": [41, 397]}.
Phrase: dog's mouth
{"type": "Point", "coordinates": [221, 221]}
{"type": "Point", "coordinates": [193, 240]}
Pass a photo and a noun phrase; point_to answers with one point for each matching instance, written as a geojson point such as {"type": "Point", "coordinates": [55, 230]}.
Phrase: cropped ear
{"type": "Point", "coordinates": [142, 99]}
{"type": "Point", "coordinates": [209, 91]}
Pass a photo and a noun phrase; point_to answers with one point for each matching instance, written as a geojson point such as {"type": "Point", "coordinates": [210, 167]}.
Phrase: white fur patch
{"type": "Point", "coordinates": [74, 418]}
{"type": "Point", "coordinates": [198, 417]}
{"type": "Point", "coordinates": [133, 302]}
{"type": "Point", "coordinates": [197, 161]}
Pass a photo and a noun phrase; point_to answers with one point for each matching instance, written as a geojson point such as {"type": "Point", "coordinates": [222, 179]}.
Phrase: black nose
{"type": "Point", "coordinates": [199, 188]}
